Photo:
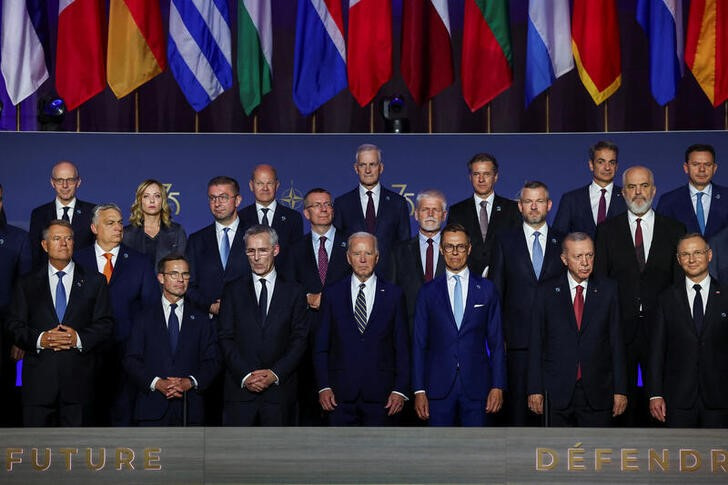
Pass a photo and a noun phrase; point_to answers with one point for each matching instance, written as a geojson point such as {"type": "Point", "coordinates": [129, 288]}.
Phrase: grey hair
{"type": "Point", "coordinates": [103, 207]}
{"type": "Point", "coordinates": [432, 193]}
{"type": "Point", "coordinates": [256, 229]}
{"type": "Point", "coordinates": [363, 234]}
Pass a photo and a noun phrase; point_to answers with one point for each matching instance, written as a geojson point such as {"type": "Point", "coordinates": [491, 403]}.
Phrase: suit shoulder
{"type": "Point", "coordinates": [288, 211]}
{"type": "Point", "coordinates": [87, 207]}
{"type": "Point", "coordinates": [674, 194]}
{"type": "Point", "coordinates": [13, 233]}
{"type": "Point", "coordinates": [346, 196]}
{"type": "Point", "coordinates": [199, 234]}
{"type": "Point", "coordinates": [673, 225]}
{"type": "Point", "coordinates": [41, 210]}
{"type": "Point", "coordinates": [576, 193]}
{"type": "Point", "coordinates": [462, 205]}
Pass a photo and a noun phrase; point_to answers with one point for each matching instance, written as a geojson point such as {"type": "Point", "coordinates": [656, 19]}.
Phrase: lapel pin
{"type": "Point", "coordinates": [497, 208]}
{"type": "Point", "coordinates": [717, 292]}
{"type": "Point", "coordinates": [2, 241]}
{"type": "Point", "coordinates": [283, 218]}
{"type": "Point", "coordinates": [126, 255]}
{"type": "Point", "coordinates": [386, 197]}
{"type": "Point", "coordinates": [557, 289]}
{"type": "Point", "coordinates": [717, 196]}
{"type": "Point", "coordinates": [477, 287]}
{"type": "Point", "coordinates": [192, 317]}
{"type": "Point", "coordinates": [79, 283]}
{"type": "Point", "coordinates": [381, 290]}
{"type": "Point", "coordinates": [553, 240]}
{"type": "Point", "coordinates": [78, 211]}
{"type": "Point", "coordinates": [343, 244]}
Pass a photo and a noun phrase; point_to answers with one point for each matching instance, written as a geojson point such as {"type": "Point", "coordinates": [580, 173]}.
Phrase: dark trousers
{"type": "Point", "coordinates": [580, 413]}
{"type": "Point", "coordinates": [516, 399]}
{"type": "Point", "coordinates": [58, 414]}
{"type": "Point", "coordinates": [457, 409]}
{"type": "Point", "coordinates": [361, 413]}
{"type": "Point", "coordinates": [258, 412]}
{"type": "Point", "coordinates": [699, 416]}
{"type": "Point", "coordinates": [174, 416]}
{"type": "Point", "coordinates": [637, 413]}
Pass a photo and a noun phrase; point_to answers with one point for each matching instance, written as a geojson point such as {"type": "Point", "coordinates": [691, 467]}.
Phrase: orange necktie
{"type": "Point", "coordinates": [108, 267]}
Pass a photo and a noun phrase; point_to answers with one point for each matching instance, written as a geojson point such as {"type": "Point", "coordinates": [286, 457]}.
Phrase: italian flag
{"type": "Point", "coordinates": [706, 47]}
{"type": "Point", "coordinates": [255, 52]}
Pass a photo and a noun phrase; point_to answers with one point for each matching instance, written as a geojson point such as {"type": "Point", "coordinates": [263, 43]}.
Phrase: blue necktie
{"type": "Point", "coordinates": [173, 327]}
{"type": "Point", "coordinates": [225, 247]}
{"type": "Point", "coordinates": [458, 301]}
{"type": "Point", "coordinates": [537, 254]}
{"type": "Point", "coordinates": [60, 297]}
{"type": "Point", "coordinates": [700, 212]}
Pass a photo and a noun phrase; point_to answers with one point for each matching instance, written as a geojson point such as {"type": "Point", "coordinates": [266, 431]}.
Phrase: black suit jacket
{"type": "Point", "coordinates": [575, 213]}
{"type": "Point", "coordinates": [81, 223]}
{"type": "Point", "coordinates": [171, 239]}
{"type": "Point", "coordinates": [719, 263]}
{"type": "Point", "coordinates": [616, 259]}
{"type": "Point", "coordinates": [683, 363]}
{"type": "Point", "coordinates": [304, 269]}
{"type": "Point", "coordinates": [68, 374]}
{"type": "Point", "coordinates": [503, 215]}
{"type": "Point", "coordinates": [558, 347]}
{"type": "Point", "coordinates": [287, 223]}
{"type": "Point", "coordinates": [512, 273]}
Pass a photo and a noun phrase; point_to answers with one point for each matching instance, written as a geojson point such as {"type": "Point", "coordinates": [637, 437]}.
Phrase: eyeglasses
{"type": "Point", "coordinates": [176, 275]}
{"type": "Point", "coordinates": [61, 181]}
{"type": "Point", "coordinates": [694, 255]}
{"type": "Point", "coordinates": [320, 205]}
{"type": "Point", "coordinates": [450, 248]}
{"type": "Point", "coordinates": [219, 198]}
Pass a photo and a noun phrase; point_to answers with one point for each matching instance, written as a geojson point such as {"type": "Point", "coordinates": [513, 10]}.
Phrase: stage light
{"type": "Point", "coordinates": [394, 111]}
{"type": "Point", "coordinates": [51, 112]}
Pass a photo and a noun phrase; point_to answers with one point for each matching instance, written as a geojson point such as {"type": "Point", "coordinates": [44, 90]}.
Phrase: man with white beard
{"type": "Point", "coordinates": [637, 249]}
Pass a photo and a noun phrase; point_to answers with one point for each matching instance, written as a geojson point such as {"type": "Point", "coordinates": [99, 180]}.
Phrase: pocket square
{"type": "Point", "coordinates": [478, 305]}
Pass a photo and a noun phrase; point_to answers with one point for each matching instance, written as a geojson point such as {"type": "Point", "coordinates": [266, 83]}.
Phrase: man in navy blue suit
{"type": "Point", "coordinates": [701, 205]}
{"type": "Point", "coordinates": [267, 211]}
{"type": "Point", "coordinates": [361, 354]}
{"type": "Point", "coordinates": [372, 208]}
{"type": "Point", "coordinates": [576, 354]}
{"type": "Point", "coordinates": [172, 350]}
{"type": "Point", "coordinates": [522, 258]}
{"type": "Point", "coordinates": [581, 210]}
{"type": "Point", "coordinates": [65, 180]}
{"type": "Point", "coordinates": [132, 285]}
{"type": "Point", "coordinates": [458, 355]}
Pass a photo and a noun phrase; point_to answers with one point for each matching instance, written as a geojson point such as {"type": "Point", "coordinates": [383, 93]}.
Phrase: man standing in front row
{"type": "Point", "coordinates": [576, 352]}
{"type": "Point", "coordinates": [262, 331]}
{"type": "Point", "coordinates": [458, 356]}
{"type": "Point", "coordinates": [688, 353]}
{"type": "Point", "coordinates": [361, 354]}
{"type": "Point", "coordinates": [59, 315]}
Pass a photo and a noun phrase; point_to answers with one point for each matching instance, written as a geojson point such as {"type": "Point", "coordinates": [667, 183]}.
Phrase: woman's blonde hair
{"type": "Point", "coordinates": [137, 216]}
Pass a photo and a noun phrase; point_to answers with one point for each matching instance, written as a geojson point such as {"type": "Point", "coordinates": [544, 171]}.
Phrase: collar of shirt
{"type": "Point", "coordinates": [231, 233]}
{"type": "Point", "coordinates": [259, 210]}
{"type": "Point", "coordinates": [543, 232]}
{"type": "Point", "coordinates": [370, 289]}
{"type": "Point", "coordinates": [596, 189]}
{"type": "Point", "coordinates": [648, 218]}
{"type": "Point", "coordinates": [67, 279]}
{"type": "Point", "coordinates": [166, 308]}
{"type": "Point", "coordinates": [329, 244]}
{"type": "Point", "coordinates": [708, 190]}
{"type": "Point", "coordinates": [59, 208]}
{"type": "Point", "coordinates": [375, 192]}
{"type": "Point", "coordinates": [488, 207]}
{"type": "Point", "coordinates": [423, 240]}
{"type": "Point", "coordinates": [704, 288]}
{"type": "Point", "coordinates": [464, 275]}
{"type": "Point", "coordinates": [573, 284]}
{"type": "Point", "coordinates": [101, 259]}
{"type": "Point", "coordinates": [423, 250]}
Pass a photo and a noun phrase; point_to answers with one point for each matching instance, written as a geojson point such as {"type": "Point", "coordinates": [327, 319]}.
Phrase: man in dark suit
{"type": "Point", "coordinates": [361, 355]}
{"type": "Point", "coordinates": [576, 352]}
{"type": "Point", "coordinates": [581, 210]}
{"type": "Point", "coordinates": [416, 261]}
{"type": "Point", "coordinates": [718, 266]}
{"type": "Point", "coordinates": [60, 315]}
{"type": "Point", "coordinates": [522, 258]}
{"type": "Point", "coordinates": [701, 205]}
{"type": "Point", "coordinates": [458, 356]}
{"type": "Point", "coordinates": [172, 350]}
{"type": "Point", "coordinates": [688, 353]}
{"type": "Point", "coordinates": [485, 213]}
{"type": "Point", "coordinates": [637, 249]}
{"type": "Point", "coordinates": [262, 330]}
{"type": "Point", "coordinates": [372, 208]}
{"type": "Point", "coordinates": [267, 211]}
{"type": "Point", "coordinates": [65, 180]}
{"type": "Point", "coordinates": [132, 286]}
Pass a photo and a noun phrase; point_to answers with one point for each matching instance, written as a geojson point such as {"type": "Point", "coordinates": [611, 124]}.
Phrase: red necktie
{"type": "Point", "coordinates": [323, 259]}
{"type": "Point", "coordinates": [579, 313]}
{"type": "Point", "coordinates": [429, 261]}
{"type": "Point", "coordinates": [371, 220]}
{"type": "Point", "coordinates": [602, 210]}
{"type": "Point", "coordinates": [639, 245]}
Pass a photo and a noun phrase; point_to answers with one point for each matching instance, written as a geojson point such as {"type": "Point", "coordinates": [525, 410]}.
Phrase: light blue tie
{"type": "Point", "coordinates": [60, 297]}
{"type": "Point", "coordinates": [700, 212]}
{"type": "Point", "coordinates": [458, 301]}
{"type": "Point", "coordinates": [225, 247]}
{"type": "Point", "coordinates": [537, 254]}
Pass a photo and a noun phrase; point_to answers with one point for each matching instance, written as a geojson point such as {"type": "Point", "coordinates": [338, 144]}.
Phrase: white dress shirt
{"type": "Point", "coordinates": [464, 280]}
{"type": "Point", "coordinates": [101, 259]}
{"type": "Point", "coordinates": [708, 191]}
{"type": "Point", "coordinates": [59, 209]}
{"type": "Point", "coordinates": [179, 311]}
{"type": "Point", "coordinates": [67, 278]}
{"type": "Point", "coordinates": [488, 206]}
{"type": "Point", "coordinates": [219, 232]}
{"type": "Point", "coordinates": [423, 251]}
{"type": "Point", "coordinates": [648, 227]}
{"type": "Point", "coordinates": [271, 210]}
{"type": "Point", "coordinates": [364, 198]}
{"type": "Point", "coordinates": [595, 193]}
{"type": "Point", "coordinates": [704, 290]}
{"type": "Point", "coordinates": [328, 244]}
{"type": "Point", "coordinates": [543, 232]}
{"type": "Point", "coordinates": [270, 283]}
{"type": "Point", "coordinates": [370, 291]}
{"type": "Point", "coordinates": [573, 284]}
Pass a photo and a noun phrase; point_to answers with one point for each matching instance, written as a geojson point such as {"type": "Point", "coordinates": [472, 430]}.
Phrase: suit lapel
{"type": "Point", "coordinates": [254, 299]}
{"type": "Point", "coordinates": [120, 266]}
{"type": "Point", "coordinates": [711, 309]}
{"type": "Point", "coordinates": [681, 295]}
{"type": "Point", "coordinates": [76, 286]}
{"type": "Point", "coordinates": [614, 202]}
{"type": "Point", "coordinates": [377, 306]}
{"type": "Point", "coordinates": [716, 212]}
{"type": "Point", "coordinates": [551, 254]}
{"type": "Point", "coordinates": [473, 289]}
{"type": "Point", "coordinates": [525, 257]}
{"type": "Point", "coordinates": [414, 248]}
{"type": "Point", "coordinates": [591, 303]}
{"type": "Point", "coordinates": [585, 202]}
{"type": "Point", "coordinates": [45, 298]}
{"type": "Point", "coordinates": [446, 303]}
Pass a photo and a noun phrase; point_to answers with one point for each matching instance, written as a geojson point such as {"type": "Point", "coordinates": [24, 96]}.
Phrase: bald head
{"type": "Point", "coordinates": [638, 189]}
{"type": "Point", "coordinates": [65, 181]}
{"type": "Point", "coordinates": [264, 184]}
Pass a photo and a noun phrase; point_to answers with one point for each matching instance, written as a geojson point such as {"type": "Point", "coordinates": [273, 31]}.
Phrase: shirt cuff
{"type": "Point", "coordinates": [79, 345]}
{"type": "Point", "coordinates": [655, 397]}
{"type": "Point", "coordinates": [277, 381]}
{"type": "Point", "coordinates": [38, 348]}
{"type": "Point", "coordinates": [242, 383]}
{"type": "Point", "coordinates": [194, 382]}
{"type": "Point", "coordinates": [153, 385]}
{"type": "Point", "coordinates": [399, 393]}
{"type": "Point", "coordinates": [324, 389]}
{"type": "Point", "coordinates": [421, 391]}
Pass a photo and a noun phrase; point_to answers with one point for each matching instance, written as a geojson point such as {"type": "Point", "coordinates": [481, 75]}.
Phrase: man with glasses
{"type": "Point", "coordinates": [65, 180]}
{"type": "Point", "coordinates": [458, 355]}
{"type": "Point", "coordinates": [262, 331]}
{"type": "Point", "coordinates": [163, 361]}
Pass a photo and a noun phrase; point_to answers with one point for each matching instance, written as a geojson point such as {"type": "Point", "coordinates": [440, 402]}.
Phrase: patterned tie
{"type": "Point", "coordinates": [265, 221]}
{"type": "Point", "coordinates": [60, 297]}
{"type": "Point", "coordinates": [698, 309]}
{"type": "Point", "coordinates": [323, 259]}
{"type": "Point", "coordinates": [429, 260]}
{"type": "Point", "coordinates": [263, 300]}
{"type": "Point", "coordinates": [639, 245]}
{"type": "Point", "coordinates": [360, 309]}
{"type": "Point", "coordinates": [458, 301]}
{"type": "Point", "coordinates": [483, 218]}
{"type": "Point", "coordinates": [65, 216]}
{"type": "Point", "coordinates": [537, 254]}
{"type": "Point", "coordinates": [371, 219]}
{"type": "Point", "coordinates": [173, 327]}
{"type": "Point", "coordinates": [108, 267]}
{"type": "Point", "coordinates": [579, 313]}
{"type": "Point", "coordinates": [700, 212]}
{"type": "Point", "coordinates": [602, 210]}
{"type": "Point", "coordinates": [225, 247]}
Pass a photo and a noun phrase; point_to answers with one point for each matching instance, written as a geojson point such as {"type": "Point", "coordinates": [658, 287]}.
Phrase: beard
{"type": "Point", "coordinates": [637, 207]}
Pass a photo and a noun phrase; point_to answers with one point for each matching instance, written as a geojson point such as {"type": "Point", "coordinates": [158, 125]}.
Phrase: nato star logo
{"type": "Point", "coordinates": [292, 198]}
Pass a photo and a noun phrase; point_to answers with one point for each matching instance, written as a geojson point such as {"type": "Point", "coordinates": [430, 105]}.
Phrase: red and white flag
{"type": "Point", "coordinates": [369, 49]}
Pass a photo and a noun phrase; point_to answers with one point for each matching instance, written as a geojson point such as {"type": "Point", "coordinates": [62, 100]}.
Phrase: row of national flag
{"type": "Point", "coordinates": [328, 59]}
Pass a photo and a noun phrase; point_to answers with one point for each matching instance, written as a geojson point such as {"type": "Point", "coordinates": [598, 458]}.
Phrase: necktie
{"type": "Point", "coordinates": [429, 260]}
{"type": "Point", "coordinates": [602, 210]}
{"type": "Point", "coordinates": [323, 259]}
{"type": "Point", "coordinates": [173, 327]}
{"type": "Point", "coordinates": [225, 247]}
{"type": "Point", "coordinates": [639, 245]}
{"type": "Point", "coordinates": [579, 313]}
{"type": "Point", "coordinates": [370, 219]}
{"type": "Point", "coordinates": [483, 218]}
{"type": "Point", "coordinates": [60, 297]}
{"type": "Point", "coordinates": [360, 309]}
{"type": "Point", "coordinates": [537, 254]}
{"type": "Point", "coordinates": [700, 212]}
{"type": "Point", "coordinates": [265, 221]}
{"type": "Point", "coordinates": [108, 267]}
{"type": "Point", "coordinates": [65, 216]}
{"type": "Point", "coordinates": [698, 309]}
{"type": "Point", "coordinates": [458, 301]}
{"type": "Point", "coordinates": [263, 300]}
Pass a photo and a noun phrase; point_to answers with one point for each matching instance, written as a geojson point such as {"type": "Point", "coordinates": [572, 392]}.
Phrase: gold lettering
{"type": "Point", "coordinates": [630, 460]}
{"type": "Point", "coordinates": [34, 459]}
{"type": "Point", "coordinates": [718, 461]}
{"type": "Point", "coordinates": [541, 465]}
{"type": "Point", "coordinates": [124, 457]}
{"type": "Point", "coordinates": [576, 458]}
{"type": "Point", "coordinates": [696, 458]}
{"type": "Point", "coordinates": [90, 459]}
{"type": "Point", "coordinates": [152, 460]}
{"type": "Point", "coordinates": [11, 459]}
{"type": "Point", "coordinates": [602, 456]}
{"type": "Point", "coordinates": [655, 460]}
{"type": "Point", "coordinates": [68, 452]}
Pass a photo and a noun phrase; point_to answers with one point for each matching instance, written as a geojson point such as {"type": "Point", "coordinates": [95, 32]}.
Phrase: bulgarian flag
{"type": "Point", "coordinates": [369, 61]}
{"type": "Point", "coordinates": [706, 47]}
{"type": "Point", "coordinates": [595, 42]}
{"type": "Point", "coordinates": [487, 62]}
{"type": "Point", "coordinates": [136, 48]}
{"type": "Point", "coordinates": [255, 52]}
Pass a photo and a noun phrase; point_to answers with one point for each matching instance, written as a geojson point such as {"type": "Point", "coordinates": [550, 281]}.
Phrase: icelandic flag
{"type": "Point", "coordinates": [662, 22]}
{"type": "Point", "coordinates": [23, 34]}
{"type": "Point", "coordinates": [199, 49]}
{"type": "Point", "coordinates": [548, 50]}
{"type": "Point", "coordinates": [319, 71]}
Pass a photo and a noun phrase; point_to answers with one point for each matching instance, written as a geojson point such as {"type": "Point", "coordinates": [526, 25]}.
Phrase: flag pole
{"type": "Point", "coordinates": [487, 119]}
{"type": "Point", "coordinates": [136, 111]}
{"type": "Point", "coordinates": [255, 123]}
{"type": "Point", "coordinates": [197, 122]}
{"type": "Point", "coordinates": [429, 116]}
{"type": "Point", "coordinates": [78, 120]}
{"type": "Point", "coordinates": [17, 117]}
{"type": "Point", "coordinates": [606, 116]}
{"type": "Point", "coordinates": [667, 118]}
{"type": "Point", "coordinates": [313, 122]}
{"type": "Point", "coordinates": [548, 111]}
{"type": "Point", "coordinates": [371, 117]}
{"type": "Point", "coordinates": [725, 119]}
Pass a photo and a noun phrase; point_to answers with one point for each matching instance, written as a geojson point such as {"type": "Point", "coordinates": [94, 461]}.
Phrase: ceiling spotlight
{"type": "Point", "coordinates": [394, 112]}
{"type": "Point", "coordinates": [51, 112]}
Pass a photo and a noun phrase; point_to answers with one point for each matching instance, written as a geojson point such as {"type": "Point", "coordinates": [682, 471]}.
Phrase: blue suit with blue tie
{"type": "Point", "coordinates": [677, 204]}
